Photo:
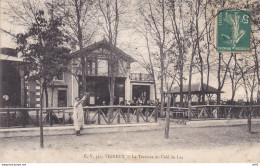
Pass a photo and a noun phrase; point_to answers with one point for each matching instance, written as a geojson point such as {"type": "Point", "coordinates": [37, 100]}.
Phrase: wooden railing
{"type": "Point", "coordinates": [25, 117]}
{"type": "Point", "coordinates": [224, 111]}
{"type": "Point", "coordinates": [17, 117]}
{"type": "Point", "coordinates": [22, 117]}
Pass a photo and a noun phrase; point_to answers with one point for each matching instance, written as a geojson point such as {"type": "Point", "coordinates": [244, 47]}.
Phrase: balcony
{"type": "Point", "coordinates": [141, 77]}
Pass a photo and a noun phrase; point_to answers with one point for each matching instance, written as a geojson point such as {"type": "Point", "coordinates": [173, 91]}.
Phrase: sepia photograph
{"type": "Point", "coordinates": [129, 81]}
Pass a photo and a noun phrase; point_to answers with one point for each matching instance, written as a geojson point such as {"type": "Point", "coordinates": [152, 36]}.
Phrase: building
{"type": "Point", "coordinates": [196, 93]}
{"type": "Point", "coordinates": [141, 85]}
{"type": "Point", "coordinates": [11, 79]}
{"type": "Point", "coordinates": [67, 86]}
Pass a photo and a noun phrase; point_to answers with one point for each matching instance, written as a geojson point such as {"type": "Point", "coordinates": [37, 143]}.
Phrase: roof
{"type": "Point", "coordinates": [9, 54]}
{"type": "Point", "coordinates": [10, 58]}
{"type": "Point", "coordinates": [196, 89]}
{"type": "Point", "coordinates": [8, 51]}
{"type": "Point", "coordinates": [105, 44]}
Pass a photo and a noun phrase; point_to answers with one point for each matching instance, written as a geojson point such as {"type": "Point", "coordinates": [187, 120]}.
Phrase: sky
{"type": "Point", "coordinates": [130, 42]}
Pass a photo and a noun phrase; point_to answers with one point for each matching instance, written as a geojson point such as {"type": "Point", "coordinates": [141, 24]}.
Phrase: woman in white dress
{"type": "Point", "coordinates": [78, 114]}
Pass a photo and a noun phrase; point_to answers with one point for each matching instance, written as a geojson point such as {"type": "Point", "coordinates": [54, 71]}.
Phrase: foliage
{"type": "Point", "coordinates": [42, 48]}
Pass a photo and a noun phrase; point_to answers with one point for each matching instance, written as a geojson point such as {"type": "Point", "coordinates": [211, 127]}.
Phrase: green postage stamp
{"type": "Point", "coordinates": [233, 30]}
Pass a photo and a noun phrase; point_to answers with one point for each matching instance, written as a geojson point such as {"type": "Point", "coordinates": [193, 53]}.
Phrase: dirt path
{"type": "Point", "coordinates": [214, 144]}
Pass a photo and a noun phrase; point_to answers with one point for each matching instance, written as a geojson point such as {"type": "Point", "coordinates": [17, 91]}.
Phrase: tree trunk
{"type": "Point", "coordinates": [181, 82]}
{"type": "Point", "coordinates": [162, 105]}
{"type": "Point", "coordinates": [41, 122]}
{"type": "Point", "coordinates": [249, 119]}
{"type": "Point", "coordinates": [251, 103]}
{"type": "Point", "coordinates": [233, 95]}
{"type": "Point", "coordinates": [78, 6]}
{"type": "Point", "coordinates": [219, 82]}
{"type": "Point", "coordinates": [46, 95]}
{"type": "Point", "coordinates": [111, 79]}
{"type": "Point", "coordinates": [258, 93]}
{"type": "Point", "coordinates": [112, 85]}
{"type": "Point", "coordinates": [84, 78]}
{"type": "Point", "coordinates": [162, 82]}
{"type": "Point", "coordinates": [155, 90]}
{"type": "Point", "coordinates": [199, 52]}
{"type": "Point", "coordinates": [189, 88]}
{"type": "Point", "coordinates": [218, 97]}
{"type": "Point", "coordinates": [152, 69]}
{"type": "Point", "coordinates": [167, 119]}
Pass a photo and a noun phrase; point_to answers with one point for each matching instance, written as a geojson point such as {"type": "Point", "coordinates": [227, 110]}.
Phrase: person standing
{"type": "Point", "coordinates": [78, 114]}
{"type": "Point", "coordinates": [6, 101]}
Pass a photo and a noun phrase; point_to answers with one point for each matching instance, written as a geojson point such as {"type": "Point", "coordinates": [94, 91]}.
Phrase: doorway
{"type": "Point", "coordinates": [142, 91]}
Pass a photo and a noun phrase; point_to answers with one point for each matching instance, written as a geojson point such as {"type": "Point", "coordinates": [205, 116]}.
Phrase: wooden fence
{"type": "Point", "coordinates": [29, 117]}
{"type": "Point", "coordinates": [22, 117]}
{"type": "Point", "coordinates": [224, 111]}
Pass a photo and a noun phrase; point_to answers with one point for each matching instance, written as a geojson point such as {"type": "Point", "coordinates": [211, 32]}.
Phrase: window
{"type": "Point", "coordinates": [91, 67]}
{"type": "Point", "coordinates": [102, 67]}
{"type": "Point", "coordinates": [62, 98]}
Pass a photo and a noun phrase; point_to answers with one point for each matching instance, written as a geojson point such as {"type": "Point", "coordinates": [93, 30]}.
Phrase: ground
{"type": "Point", "coordinates": [185, 144]}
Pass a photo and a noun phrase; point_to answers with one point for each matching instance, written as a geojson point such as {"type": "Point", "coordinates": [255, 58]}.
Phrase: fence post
{"type": "Point", "coordinates": [218, 112]}
{"type": "Point", "coordinates": [23, 112]}
{"type": "Point", "coordinates": [197, 112]}
{"type": "Point", "coordinates": [99, 119]}
{"type": "Point", "coordinates": [118, 116]}
{"type": "Point", "coordinates": [225, 111]}
{"type": "Point", "coordinates": [50, 117]}
{"type": "Point", "coordinates": [146, 115]}
{"type": "Point", "coordinates": [8, 117]}
{"type": "Point", "coordinates": [128, 115]}
{"type": "Point", "coordinates": [63, 117]}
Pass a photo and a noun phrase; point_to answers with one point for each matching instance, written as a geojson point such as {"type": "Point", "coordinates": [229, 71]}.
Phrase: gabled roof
{"type": "Point", "coordinates": [104, 44]}
{"type": "Point", "coordinates": [196, 89]}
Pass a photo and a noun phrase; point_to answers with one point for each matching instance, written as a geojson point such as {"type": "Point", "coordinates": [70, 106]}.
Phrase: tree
{"type": "Point", "coordinates": [22, 12]}
{"type": "Point", "coordinates": [111, 13]}
{"type": "Point", "coordinates": [143, 29]}
{"type": "Point", "coordinates": [154, 16]}
{"type": "Point", "coordinates": [79, 25]}
{"type": "Point", "coordinates": [42, 47]}
{"type": "Point", "coordinates": [168, 45]}
{"type": "Point", "coordinates": [208, 11]}
{"type": "Point", "coordinates": [234, 76]}
{"type": "Point", "coordinates": [179, 30]}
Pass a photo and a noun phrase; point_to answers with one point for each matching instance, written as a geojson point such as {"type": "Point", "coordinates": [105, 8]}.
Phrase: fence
{"type": "Point", "coordinates": [22, 117]}
{"type": "Point", "coordinates": [29, 117]}
{"type": "Point", "coordinates": [224, 111]}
